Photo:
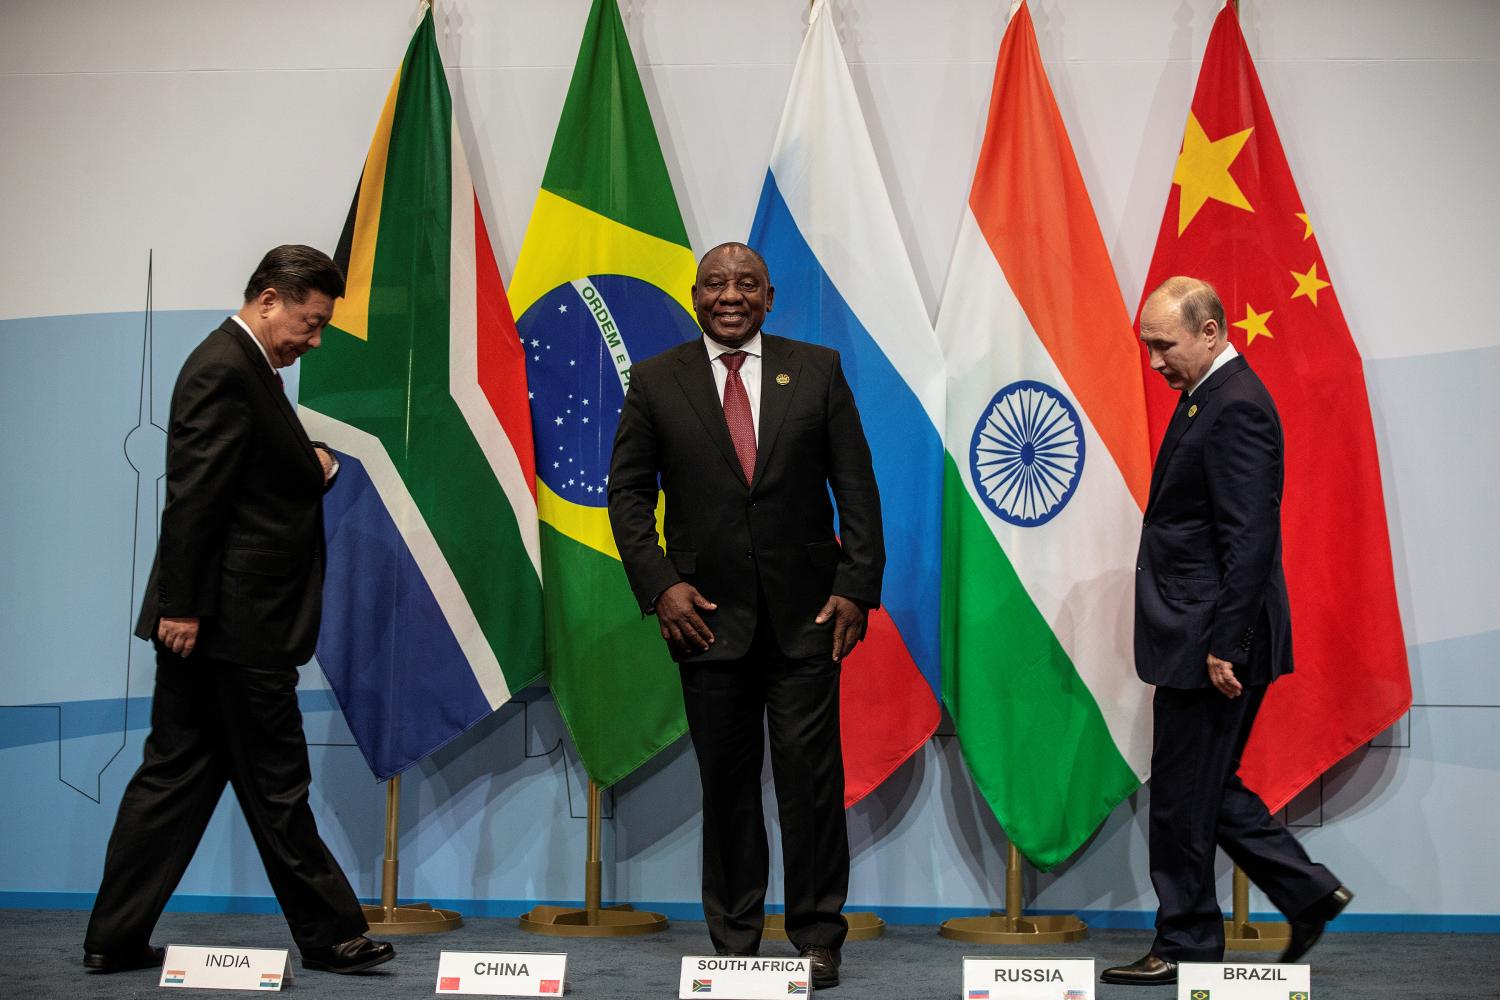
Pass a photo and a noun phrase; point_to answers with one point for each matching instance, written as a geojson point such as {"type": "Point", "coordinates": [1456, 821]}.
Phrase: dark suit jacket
{"type": "Point", "coordinates": [726, 537]}
{"type": "Point", "coordinates": [241, 542]}
{"type": "Point", "coordinates": [1209, 575]}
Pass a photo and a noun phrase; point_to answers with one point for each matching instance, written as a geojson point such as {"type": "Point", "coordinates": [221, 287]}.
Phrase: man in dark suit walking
{"type": "Point", "coordinates": [1212, 631]}
{"type": "Point", "coordinates": [233, 606]}
{"type": "Point", "coordinates": [746, 434]}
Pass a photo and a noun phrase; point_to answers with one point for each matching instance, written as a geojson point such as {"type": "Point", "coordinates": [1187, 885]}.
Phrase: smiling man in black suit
{"type": "Point", "coordinates": [233, 606]}
{"type": "Point", "coordinates": [1212, 631]}
{"type": "Point", "coordinates": [747, 434]}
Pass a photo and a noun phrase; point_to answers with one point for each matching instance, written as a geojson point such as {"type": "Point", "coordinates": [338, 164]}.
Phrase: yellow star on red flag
{"type": "Point", "coordinates": [1306, 222]}
{"type": "Point", "coordinates": [1309, 284]}
{"type": "Point", "coordinates": [1203, 171]}
{"type": "Point", "coordinates": [1254, 324]}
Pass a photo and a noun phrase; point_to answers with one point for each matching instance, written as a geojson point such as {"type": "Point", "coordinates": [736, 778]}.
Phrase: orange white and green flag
{"type": "Point", "coordinates": [1047, 470]}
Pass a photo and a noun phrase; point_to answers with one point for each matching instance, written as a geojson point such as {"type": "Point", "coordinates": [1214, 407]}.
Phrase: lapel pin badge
{"type": "Point", "coordinates": [1193, 411]}
{"type": "Point", "coordinates": [782, 378]}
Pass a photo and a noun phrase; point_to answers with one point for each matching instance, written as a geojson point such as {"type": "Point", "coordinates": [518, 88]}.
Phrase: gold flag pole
{"type": "Point", "coordinates": [414, 918]}
{"type": "Point", "coordinates": [1243, 934]}
{"type": "Point", "coordinates": [1014, 927]}
{"type": "Point", "coordinates": [594, 919]}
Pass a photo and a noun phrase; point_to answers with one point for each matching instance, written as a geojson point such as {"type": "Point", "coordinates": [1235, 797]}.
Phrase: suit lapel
{"type": "Point", "coordinates": [265, 376]}
{"type": "Point", "coordinates": [697, 383]}
{"type": "Point", "coordinates": [1182, 419]}
{"type": "Point", "coordinates": [777, 359]}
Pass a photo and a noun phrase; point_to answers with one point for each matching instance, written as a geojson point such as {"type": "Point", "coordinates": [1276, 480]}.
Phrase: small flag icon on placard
{"type": "Point", "coordinates": [551, 986]}
{"type": "Point", "coordinates": [703, 985]}
{"type": "Point", "coordinates": [797, 987]}
{"type": "Point", "coordinates": [448, 982]}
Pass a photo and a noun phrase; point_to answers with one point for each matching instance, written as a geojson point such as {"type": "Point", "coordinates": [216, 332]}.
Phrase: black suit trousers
{"type": "Point", "coordinates": [212, 723]}
{"type": "Point", "coordinates": [797, 701]}
{"type": "Point", "coordinates": [1198, 801]}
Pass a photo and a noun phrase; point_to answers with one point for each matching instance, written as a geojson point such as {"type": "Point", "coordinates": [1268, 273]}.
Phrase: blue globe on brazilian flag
{"type": "Point", "coordinates": [603, 280]}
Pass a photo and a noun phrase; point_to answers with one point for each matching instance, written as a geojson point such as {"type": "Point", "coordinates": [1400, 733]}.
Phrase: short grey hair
{"type": "Point", "coordinates": [1197, 301]}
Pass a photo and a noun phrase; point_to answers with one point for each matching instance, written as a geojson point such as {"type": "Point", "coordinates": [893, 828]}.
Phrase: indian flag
{"type": "Point", "coordinates": [1046, 476]}
{"type": "Point", "coordinates": [432, 599]}
{"type": "Point", "coordinates": [603, 281]}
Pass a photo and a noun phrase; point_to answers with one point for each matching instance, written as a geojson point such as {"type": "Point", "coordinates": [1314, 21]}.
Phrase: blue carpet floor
{"type": "Point", "coordinates": [909, 963]}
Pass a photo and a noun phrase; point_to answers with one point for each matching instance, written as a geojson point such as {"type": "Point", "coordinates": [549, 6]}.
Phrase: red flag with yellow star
{"type": "Point", "coordinates": [1235, 219]}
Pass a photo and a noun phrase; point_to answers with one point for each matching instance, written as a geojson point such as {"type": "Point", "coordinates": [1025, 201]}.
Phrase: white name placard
{"type": "Point", "coordinates": [1028, 979]}
{"type": "Point", "coordinates": [752, 978]}
{"type": "Point", "coordinates": [502, 973]}
{"type": "Point", "coordinates": [1261, 981]}
{"type": "Point", "coordinates": [194, 968]}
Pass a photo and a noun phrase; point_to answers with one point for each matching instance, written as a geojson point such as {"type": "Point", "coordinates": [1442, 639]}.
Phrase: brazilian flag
{"type": "Point", "coordinates": [603, 280]}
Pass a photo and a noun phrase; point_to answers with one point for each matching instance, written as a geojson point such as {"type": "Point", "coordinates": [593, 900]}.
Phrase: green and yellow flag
{"type": "Point", "coordinates": [602, 281]}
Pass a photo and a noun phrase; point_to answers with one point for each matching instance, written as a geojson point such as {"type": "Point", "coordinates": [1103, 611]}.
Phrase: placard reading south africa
{"type": "Point", "coordinates": [752, 978]}
{"type": "Point", "coordinates": [1208, 981]}
{"type": "Point", "coordinates": [502, 973]}
{"type": "Point", "coordinates": [193, 968]}
{"type": "Point", "coordinates": [1028, 979]}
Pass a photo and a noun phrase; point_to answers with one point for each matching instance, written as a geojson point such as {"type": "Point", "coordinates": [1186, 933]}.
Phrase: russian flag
{"type": "Point", "coordinates": [843, 279]}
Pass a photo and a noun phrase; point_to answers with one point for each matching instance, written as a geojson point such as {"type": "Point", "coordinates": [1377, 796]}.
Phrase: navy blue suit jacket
{"type": "Point", "coordinates": [1209, 576]}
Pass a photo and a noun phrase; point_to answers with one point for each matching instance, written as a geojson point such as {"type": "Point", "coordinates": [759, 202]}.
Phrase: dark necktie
{"type": "Point", "coordinates": [737, 412]}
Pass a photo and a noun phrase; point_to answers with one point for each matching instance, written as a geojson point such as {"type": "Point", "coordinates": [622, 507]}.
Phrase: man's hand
{"type": "Point", "coordinates": [677, 612]}
{"type": "Point", "coordinates": [1221, 675]}
{"type": "Point", "coordinates": [848, 624]}
{"type": "Point", "coordinates": [179, 635]}
{"type": "Point", "coordinates": [327, 460]}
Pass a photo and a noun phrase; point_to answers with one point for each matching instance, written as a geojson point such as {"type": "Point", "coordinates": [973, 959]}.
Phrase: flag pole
{"type": "Point", "coordinates": [414, 918]}
{"type": "Point", "coordinates": [593, 919]}
{"type": "Point", "coordinates": [1014, 927]}
{"type": "Point", "coordinates": [1243, 934]}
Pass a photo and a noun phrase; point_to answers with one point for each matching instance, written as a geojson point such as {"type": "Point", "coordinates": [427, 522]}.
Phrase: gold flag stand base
{"type": "Point", "coordinates": [863, 926]}
{"type": "Point", "coordinates": [415, 918]}
{"type": "Point", "coordinates": [1243, 934]}
{"type": "Point", "coordinates": [592, 920]}
{"type": "Point", "coordinates": [1011, 927]}
{"type": "Point", "coordinates": [388, 919]}
{"type": "Point", "coordinates": [606, 921]}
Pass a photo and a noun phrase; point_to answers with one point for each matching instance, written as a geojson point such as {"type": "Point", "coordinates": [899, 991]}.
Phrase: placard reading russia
{"type": "Point", "coordinates": [502, 973]}
{"type": "Point", "coordinates": [750, 978]}
{"type": "Point", "coordinates": [1213, 981]}
{"type": "Point", "coordinates": [191, 967]}
{"type": "Point", "coordinates": [1028, 979]}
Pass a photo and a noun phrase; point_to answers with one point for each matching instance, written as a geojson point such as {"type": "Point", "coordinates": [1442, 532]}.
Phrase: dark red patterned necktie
{"type": "Point", "coordinates": [737, 412]}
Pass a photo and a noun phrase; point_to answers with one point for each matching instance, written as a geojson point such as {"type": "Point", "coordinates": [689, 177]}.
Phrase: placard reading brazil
{"type": "Point", "coordinates": [1026, 456]}
{"type": "Point", "coordinates": [581, 339]}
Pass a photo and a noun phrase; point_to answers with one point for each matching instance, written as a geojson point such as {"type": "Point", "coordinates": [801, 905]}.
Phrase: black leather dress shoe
{"type": "Point", "coordinates": [1148, 971]}
{"type": "Point", "coordinates": [354, 955]}
{"type": "Point", "coordinates": [147, 958]}
{"type": "Point", "coordinates": [825, 966]}
{"type": "Point", "coordinates": [1308, 926]}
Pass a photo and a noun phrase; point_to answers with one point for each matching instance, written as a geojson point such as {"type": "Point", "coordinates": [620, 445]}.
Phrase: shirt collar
{"type": "Point", "coordinates": [750, 347]}
{"type": "Point", "coordinates": [1225, 356]}
{"type": "Point", "coordinates": [254, 340]}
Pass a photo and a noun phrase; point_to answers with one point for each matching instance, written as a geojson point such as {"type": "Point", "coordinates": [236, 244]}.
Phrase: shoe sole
{"type": "Point", "coordinates": [1117, 981]}
{"type": "Point", "coordinates": [104, 966]}
{"type": "Point", "coordinates": [346, 969]}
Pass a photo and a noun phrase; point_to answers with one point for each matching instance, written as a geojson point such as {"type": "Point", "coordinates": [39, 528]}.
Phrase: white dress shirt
{"type": "Point", "coordinates": [1227, 355]}
{"type": "Point", "coordinates": [254, 340]}
{"type": "Point", "coordinates": [749, 373]}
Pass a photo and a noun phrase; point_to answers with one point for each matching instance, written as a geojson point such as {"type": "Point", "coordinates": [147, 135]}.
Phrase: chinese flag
{"type": "Point", "coordinates": [1235, 219]}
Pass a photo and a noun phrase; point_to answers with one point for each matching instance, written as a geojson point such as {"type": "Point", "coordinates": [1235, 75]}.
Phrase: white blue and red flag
{"type": "Point", "coordinates": [843, 279]}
